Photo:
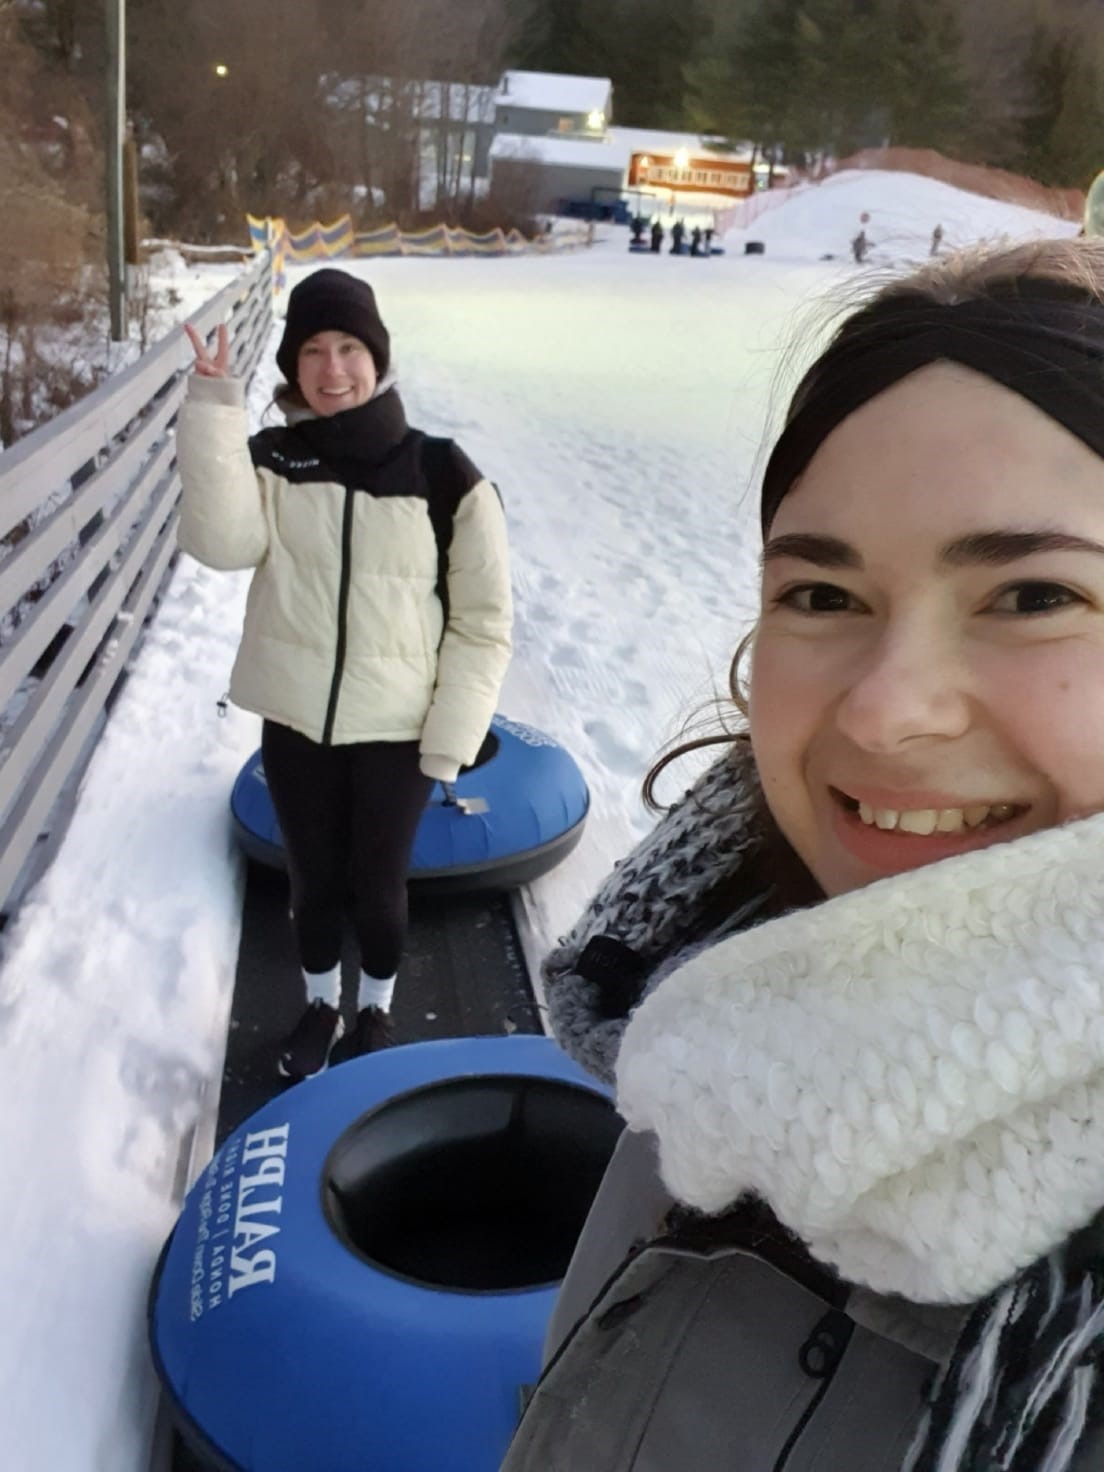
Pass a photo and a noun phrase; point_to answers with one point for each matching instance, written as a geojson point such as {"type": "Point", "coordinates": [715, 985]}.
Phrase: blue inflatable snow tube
{"type": "Point", "coordinates": [511, 817]}
{"type": "Point", "coordinates": [362, 1276]}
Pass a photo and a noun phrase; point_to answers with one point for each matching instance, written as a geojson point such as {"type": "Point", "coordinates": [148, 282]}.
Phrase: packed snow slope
{"type": "Point", "coordinates": [822, 219]}
{"type": "Point", "coordinates": [619, 403]}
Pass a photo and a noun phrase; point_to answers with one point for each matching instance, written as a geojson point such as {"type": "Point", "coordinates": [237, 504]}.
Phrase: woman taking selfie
{"type": "Point", "coordinates": [851, 988]}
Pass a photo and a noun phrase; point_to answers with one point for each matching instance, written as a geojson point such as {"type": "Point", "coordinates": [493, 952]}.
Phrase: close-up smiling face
{"type": "Point", "coordinates": [335, 371]}
{"type": "Point", "coordinates": [928, 672]}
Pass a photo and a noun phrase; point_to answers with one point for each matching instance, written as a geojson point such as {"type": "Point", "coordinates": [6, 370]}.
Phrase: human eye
{"type": "Point", "coordinates": [817, 598]}
{"type": "Point", "coordinates": [1035, 597]}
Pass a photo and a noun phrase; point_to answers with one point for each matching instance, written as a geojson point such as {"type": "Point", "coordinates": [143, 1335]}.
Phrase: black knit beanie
{"type": "Point", "coordinates": [332, 301]}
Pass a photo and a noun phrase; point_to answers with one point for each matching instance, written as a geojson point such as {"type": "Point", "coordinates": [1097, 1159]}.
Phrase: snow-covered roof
{"type": "Point", "coordinates": [613, 150]}
{"type": "Point", "coordinates": [650, 140]}
{"type": "Point", "coordinates": [554, 92]}
{"type": "Point", "coordinates": [568, 153]}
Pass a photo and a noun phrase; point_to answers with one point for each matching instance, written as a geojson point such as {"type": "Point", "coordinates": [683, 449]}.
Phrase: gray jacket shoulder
{"type": "Point", "coordinates": [630, 1207]}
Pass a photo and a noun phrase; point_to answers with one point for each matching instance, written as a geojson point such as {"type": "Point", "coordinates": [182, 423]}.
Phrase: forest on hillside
{"type": "Point", "coordinates": [1013, 83]}
{"type": "Point", "coordinates": [310, 100]}
{"type": "Point", "coordinates": [313, 108]}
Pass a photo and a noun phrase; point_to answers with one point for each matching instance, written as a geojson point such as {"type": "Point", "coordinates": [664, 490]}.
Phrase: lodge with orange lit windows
{"type": "Point", "coordinates": [555, 143]}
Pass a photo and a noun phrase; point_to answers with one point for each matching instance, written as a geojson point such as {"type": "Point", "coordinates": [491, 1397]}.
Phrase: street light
{"type": "Point", "coordinates": [221, 69]}
{"type": "Point", "coordinates": [115, 90]}
{"type": "Point", "coordinates": [596, 120]}
{"type": "Point", "coordinates": [682, 158]}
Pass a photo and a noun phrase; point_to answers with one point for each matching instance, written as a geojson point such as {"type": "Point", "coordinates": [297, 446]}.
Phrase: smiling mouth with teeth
{"type": "Point", "coordinates": [926, 821]}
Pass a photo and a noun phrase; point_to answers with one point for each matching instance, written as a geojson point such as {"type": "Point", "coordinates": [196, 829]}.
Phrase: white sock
{"type": "Point", "coordinates": [324, 986]}
{"type": "Point", "coordinates": [375, 991]}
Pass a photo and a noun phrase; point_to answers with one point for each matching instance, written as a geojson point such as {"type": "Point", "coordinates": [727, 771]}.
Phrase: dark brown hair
{"type": "Point", "coordinates": [1068, 269]}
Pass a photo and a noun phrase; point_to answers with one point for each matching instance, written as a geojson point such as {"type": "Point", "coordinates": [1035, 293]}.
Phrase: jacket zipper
{"type": "Point", "coordinates": [342, 616]}
{"type": "Point", "coordinates": [820, 1357]}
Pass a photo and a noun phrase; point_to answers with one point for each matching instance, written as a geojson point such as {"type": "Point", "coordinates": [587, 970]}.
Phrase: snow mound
{"type": "Point", "coordinates": [818, 221]}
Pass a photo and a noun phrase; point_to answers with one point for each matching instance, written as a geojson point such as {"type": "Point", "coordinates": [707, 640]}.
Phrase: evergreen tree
{"type": "Point", "coordinates": [996, 38]}
{"type": "Point", "coordinates": [841, 79]}
{"type": "Point", "coordinates": [557, 36]}
{"type": "Point", "coordinates": [800, 77]}
{"type": "Point", "coordinates": [641, 45]}
{"type": "Point", "coordinates": [1075, 147]}
{"type": "Point", "coordinates": [1048, 69]}
{"type": "Point", "coordinates": [930, 104]}
{"type": "Point", "coordinates": [741, 85]}
{"type": "Point", "coordinates": [651, 43]}
{"type": "Point", "coordinates": [1063, 130]}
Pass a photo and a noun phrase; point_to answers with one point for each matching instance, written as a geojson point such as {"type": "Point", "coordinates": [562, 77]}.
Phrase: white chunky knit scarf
{"type": "Point", "coordinates": [911, 1075]}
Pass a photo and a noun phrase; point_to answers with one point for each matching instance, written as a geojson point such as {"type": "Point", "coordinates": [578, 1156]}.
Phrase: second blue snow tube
{"type": "Point", "coordinates": [510, 818]}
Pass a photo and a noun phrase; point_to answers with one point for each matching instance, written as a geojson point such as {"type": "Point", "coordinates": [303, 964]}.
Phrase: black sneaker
{"type": "Point", "coordinates": [307, 1050]}
{"type": "Point", "coordinates": [372, 1030]}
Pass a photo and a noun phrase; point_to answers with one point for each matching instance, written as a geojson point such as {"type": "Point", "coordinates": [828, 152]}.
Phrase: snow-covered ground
{"type": "Point", "coordinates": [619, 402]}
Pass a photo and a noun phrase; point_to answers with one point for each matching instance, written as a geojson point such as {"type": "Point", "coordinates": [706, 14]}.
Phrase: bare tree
{"type": "Point", "coordinates": [422, 76]}
{"type": "Point", "coordinates": [47, 239]}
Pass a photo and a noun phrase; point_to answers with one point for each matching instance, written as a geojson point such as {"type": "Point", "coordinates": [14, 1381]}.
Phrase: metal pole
{"type": "Point", "coordinates": [116, 128]}
{"type": "Point", "coordinates": [132, 254]}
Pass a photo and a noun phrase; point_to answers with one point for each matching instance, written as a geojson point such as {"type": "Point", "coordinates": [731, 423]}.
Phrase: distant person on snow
{"type": "Point", "coordinates": [709, 233]}
{"type": "Point", "coordinates": [377, 627]}
{"type": "Point", "coordinates": [860, 246]}
{"type": "Point", "coordinates": [657, 237]}
{"type": "Point", "coordinates": [696, 241]}
{"type": "Point", "coordinates": [936, 240]}
{"type": "Point", "coordinates": [678, 234]}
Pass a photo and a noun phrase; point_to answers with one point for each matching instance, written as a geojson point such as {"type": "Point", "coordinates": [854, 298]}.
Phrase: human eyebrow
{"type": "Point", "coordinates": [996, 548]}
{"type": "Point", "coordinates": [810, 547]}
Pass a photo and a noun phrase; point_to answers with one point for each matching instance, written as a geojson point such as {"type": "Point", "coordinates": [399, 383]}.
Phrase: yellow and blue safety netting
{"type": "Point", "coordinates": [339, 238]}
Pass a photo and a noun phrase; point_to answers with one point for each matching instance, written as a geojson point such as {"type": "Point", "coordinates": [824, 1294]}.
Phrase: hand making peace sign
{"type": "Point", "coordinates": [206, 365]}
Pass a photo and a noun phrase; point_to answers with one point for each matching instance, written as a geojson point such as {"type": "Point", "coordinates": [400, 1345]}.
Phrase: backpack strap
{"type": "Point", "coordinates": [446, 490]}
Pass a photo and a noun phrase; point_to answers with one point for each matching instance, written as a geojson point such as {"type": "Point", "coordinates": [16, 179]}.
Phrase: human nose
{"type": "Point", "coordinates": [910, 683]}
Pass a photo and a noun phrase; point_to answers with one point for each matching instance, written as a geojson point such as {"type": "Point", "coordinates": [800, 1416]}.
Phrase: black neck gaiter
{"type": "Point", "coordinates": [368, 435]}
{"type": "Point", "coordinates": [1049, 350]}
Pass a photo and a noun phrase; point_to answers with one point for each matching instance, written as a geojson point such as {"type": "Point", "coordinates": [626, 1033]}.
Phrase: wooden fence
{"type": "Point", "coordinates": [88, 514]}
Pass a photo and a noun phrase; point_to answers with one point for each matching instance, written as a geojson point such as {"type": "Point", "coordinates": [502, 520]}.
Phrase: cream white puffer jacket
{"type": "Point", "coordinates": [343, 638]}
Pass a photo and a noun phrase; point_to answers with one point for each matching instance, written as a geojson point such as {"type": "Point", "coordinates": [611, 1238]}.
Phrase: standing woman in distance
{"type": "Point", "coordinates": [851, 988]}
{"type": "Point", "coordinates": [377, 626]}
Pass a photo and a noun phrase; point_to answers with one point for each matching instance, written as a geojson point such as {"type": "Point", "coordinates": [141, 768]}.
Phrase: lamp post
{"type": "Point", "coordinates": [115, 133]}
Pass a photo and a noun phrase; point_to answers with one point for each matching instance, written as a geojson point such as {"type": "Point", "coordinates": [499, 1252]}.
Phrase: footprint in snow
{"type": "Point", "coordinates": [566, 656]}
{"type": "Point", "coordinates": [611, 751]}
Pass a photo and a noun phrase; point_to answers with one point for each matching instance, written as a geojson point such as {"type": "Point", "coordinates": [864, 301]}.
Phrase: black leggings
{"type": "Point", "coordinates": [349, 815]}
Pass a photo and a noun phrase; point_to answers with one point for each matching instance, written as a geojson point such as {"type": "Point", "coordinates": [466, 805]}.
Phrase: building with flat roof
{"type": "Point", "coordinates": [549, 143]}
{"type": "Point", "coordinates": [657, 173]}
{"type": "Point", "coordinates": [542, 174]}
{"type": "Point", "coordinates": [557, 150]}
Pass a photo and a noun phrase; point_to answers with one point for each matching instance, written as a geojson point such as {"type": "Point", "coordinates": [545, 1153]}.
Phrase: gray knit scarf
{"type": "Point", "coordinates": [650, 914]}
{"type": "Point", "coordinates": [1022, 1391]}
